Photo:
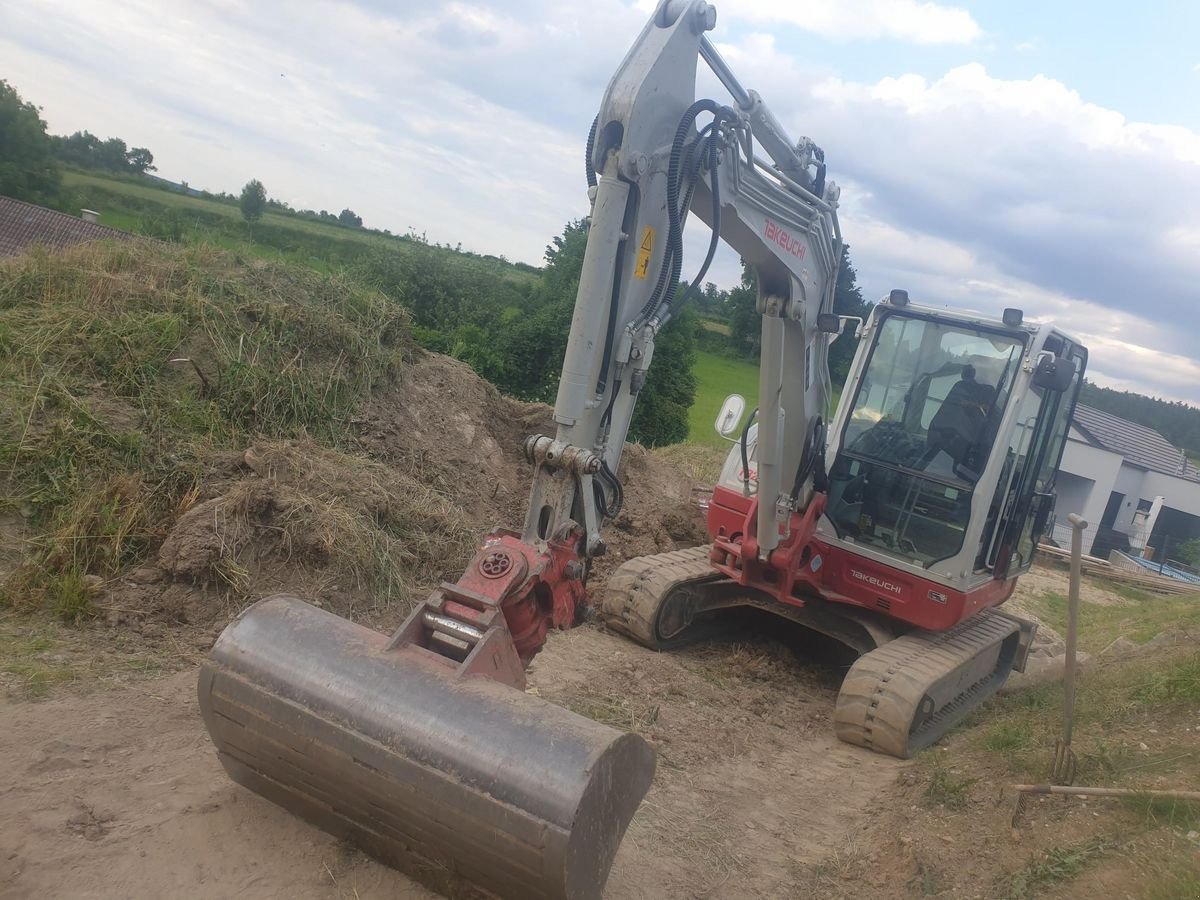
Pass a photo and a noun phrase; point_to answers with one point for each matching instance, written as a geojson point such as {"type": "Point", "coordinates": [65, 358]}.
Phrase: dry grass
{"type": "Point", "coordinates": [124, 368]}
{"type": "Point", "coordinates": [342, 519]}
{"type": "Point", "coordinates": [702, 464]}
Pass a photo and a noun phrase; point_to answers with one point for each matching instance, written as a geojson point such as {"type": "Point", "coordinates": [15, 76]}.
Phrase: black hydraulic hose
{"type": "Point", "coordinates": [606, 477]}
{"type": "Point", "coordinates": [694, 287]}
{"type": "Point", "coordinates": [606, 418]}
{"type": "Point", "coordinates": [610, 334]}
{"type": "Point", "coordinates": [674, 243]}
{"type": "Point", "coordinates": [745, 451]}
{"type": "Point", "coordinates": [812, 460]}
{"type": "Point", "coordinates": [591, 146]}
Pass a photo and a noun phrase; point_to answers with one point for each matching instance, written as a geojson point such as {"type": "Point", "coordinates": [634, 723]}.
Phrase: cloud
{"type": "Point", "coordinates": [844, 20]}
{"type": "Point", "coordinates": [439, 118]}
{"type": "Point", "coordinates": [973, 190]}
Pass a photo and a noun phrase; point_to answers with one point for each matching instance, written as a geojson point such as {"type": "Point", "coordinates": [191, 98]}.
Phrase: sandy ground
{"type": "Point", "coordinates": [119, 794]}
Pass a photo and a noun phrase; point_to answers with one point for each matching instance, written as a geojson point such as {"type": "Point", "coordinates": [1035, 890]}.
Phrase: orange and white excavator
{"type": "Point", "coordinates": [896, 526]}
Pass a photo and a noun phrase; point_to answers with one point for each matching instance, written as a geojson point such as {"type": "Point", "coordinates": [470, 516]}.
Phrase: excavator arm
{"type": "Point", "coordinates": [656, 153]}
{"type": "Point", "coordinates": [424, 747]}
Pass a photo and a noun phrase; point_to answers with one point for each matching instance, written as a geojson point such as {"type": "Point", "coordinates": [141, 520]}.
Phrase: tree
{"type": "Point", "coordinates": [847, 301]}
{"type": "Point", "coordinates": [253, 201]}
{"type": "Point", "coordinates": [661, 414]}
{"type": "Point", "coordinates": [532, 347]}
{"type": "Point", "coordinates": [111, 155]}
{"type": "Point", "coordinates": [348, 217]}
{"type": "Point", "coordinates": [27, 167]}
{"type": "Point", "coordinates": [745, 323]}
{"type": "Point", "coordinates": [141, 161]}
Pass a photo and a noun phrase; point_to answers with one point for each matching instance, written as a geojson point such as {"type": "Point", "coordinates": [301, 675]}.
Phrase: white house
{"type": "Point", "coordinates": [1131, 484]}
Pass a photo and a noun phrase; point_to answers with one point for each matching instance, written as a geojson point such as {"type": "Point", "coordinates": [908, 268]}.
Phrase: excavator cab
{"type": "Point", "coordinates": [943, 455]}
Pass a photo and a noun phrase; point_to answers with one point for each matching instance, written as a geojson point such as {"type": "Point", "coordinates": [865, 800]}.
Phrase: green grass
{"type": "Point", "coordinates": [716, 378]}
{"type": "Point", "coordinates": [168, 215]}
{"type": "Point", "coordinates": [1021, 727]}
{"type": "Point", "coordinates": [1144, 617]}
{"type": "Point", "coordinates": [945, 788]}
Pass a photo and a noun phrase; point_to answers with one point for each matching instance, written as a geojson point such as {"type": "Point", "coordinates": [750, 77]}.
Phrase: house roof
{"type": "Point", "coordinates": [24, 224]}
{"type": "Point", "coordinates": [1141, 446]}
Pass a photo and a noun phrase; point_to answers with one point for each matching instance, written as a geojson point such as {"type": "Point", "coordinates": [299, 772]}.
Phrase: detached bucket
{"type": "Point", "coordinates": [448, 778]}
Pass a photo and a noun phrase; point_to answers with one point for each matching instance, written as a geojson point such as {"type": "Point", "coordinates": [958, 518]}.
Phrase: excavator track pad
{"type": "Point", "coordinates": [903, 696]}
{"type": "Point", "coordinates": [636, 596]}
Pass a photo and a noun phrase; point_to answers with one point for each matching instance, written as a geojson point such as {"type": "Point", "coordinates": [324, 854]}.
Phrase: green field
{"type": "Point", "coordinates": [329, 248]}
{"type": "Point", "coordinates": [144, 209]}
{"type": "Point", "coordinates": [716, 378]}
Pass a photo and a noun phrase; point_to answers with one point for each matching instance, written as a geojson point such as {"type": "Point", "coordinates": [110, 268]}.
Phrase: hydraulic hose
{"type": "Point", "coordinates": [589, 168]}
{"type": "Point", "coordinates": [745, 448]}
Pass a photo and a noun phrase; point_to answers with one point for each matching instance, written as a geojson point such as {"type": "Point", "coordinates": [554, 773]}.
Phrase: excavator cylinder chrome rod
{"type": "Point", "coordinates": [453, 779]}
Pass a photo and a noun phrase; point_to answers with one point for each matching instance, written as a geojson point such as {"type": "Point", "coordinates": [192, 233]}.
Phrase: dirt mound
{"type": "Point", "coordinates": [368, 530]}
{"type": "Point", "coordinates": [458, 433]}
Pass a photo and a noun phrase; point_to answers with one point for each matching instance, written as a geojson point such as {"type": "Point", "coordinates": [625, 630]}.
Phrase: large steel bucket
{"type": "Point", "coordinates": [451, 779]}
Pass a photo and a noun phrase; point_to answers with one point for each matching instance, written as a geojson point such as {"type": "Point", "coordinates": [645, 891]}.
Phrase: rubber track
{"type": "Point", "coordinates": [634, 594]}
{"type": "Point", "coordinates": [884, 689]}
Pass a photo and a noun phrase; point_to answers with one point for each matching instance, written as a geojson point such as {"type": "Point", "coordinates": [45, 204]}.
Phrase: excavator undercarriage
{"type": "Point", "coordinates": [907, 688]}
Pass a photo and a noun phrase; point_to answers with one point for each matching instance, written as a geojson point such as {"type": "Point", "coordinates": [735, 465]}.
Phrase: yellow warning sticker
{"type": "Point", "coordinates": [644, 250]}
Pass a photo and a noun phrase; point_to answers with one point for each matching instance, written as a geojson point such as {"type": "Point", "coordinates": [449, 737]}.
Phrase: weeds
{"type": "Point", "coordinates": [947, 789]}
{"type": "Point", "coordinates": [1171, 812]}
{"type": "Point", "coordinates": [1055, 866]}
{"type": "Point", "coordinates": [1006, 738]}
{"type": "Point", "coordinates": [1180, 882]}
{"type": "Point", "coordinates": [1141, 619]}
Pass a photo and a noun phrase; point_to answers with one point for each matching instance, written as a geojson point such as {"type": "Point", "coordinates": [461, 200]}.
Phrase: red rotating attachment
{"type": "Point", "coordinates": [495, 564]}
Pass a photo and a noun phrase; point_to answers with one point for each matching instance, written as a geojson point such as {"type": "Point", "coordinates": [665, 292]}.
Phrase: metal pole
{"type": "Point", "coordinates": [1078, 524]}
{"type": "Point", "coordinates": [721, 69]}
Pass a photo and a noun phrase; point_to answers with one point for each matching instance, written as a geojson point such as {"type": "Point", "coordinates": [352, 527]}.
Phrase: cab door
{"type": "Point", "coordinates": [1026, 493]}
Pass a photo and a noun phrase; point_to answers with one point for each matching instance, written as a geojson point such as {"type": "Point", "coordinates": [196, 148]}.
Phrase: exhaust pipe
{"type": "Point", "coordinates": [447, 776]}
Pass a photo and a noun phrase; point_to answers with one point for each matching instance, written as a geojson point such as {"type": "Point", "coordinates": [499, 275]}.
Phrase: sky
{"type": "Point", "coordinates": [993, 153]}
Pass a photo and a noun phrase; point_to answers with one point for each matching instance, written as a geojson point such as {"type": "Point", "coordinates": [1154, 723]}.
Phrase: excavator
{"type": "Point", "coordinates": [896, 525]}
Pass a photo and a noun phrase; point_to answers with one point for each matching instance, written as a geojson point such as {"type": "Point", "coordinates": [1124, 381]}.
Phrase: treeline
{"type": "Point", "coordinates": [1178, 422]}
{"type": "Point", "coordinates": [86, 151]}
{"type": "Point", "coordinates": [734, 326]}
{"type": "Point", "coordinates": [514, 332]}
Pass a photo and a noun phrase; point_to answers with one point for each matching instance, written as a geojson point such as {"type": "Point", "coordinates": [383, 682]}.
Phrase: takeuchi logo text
{"type": "Point", "coordinates": [776, 235]}
{"type": "Point", "coordinates": [876, 582]}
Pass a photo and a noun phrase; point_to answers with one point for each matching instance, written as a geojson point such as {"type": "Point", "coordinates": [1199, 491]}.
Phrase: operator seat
{"type": "Point", "coordinates": [958, 425]}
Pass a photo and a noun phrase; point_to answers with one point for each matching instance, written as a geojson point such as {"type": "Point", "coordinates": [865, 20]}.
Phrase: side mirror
{"type": "Point", "coordinates": [829, 323]}
{"type": "Point", "coordinates": [1054, 373]}
{"type": "Point", "coordinates": [730, 415]}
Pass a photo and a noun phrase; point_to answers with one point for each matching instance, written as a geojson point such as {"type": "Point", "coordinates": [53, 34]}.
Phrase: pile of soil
{"type": "Point", "coordinates": [436, 462]}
